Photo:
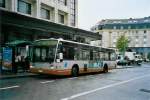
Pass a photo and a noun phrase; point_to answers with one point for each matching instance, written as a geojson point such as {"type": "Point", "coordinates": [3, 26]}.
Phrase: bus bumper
{"type": "Point", "coordinates": [50, 71]}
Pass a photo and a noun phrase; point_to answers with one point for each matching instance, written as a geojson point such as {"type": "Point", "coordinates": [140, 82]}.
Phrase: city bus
{"type": "Point", "coordinates": [65, 57]}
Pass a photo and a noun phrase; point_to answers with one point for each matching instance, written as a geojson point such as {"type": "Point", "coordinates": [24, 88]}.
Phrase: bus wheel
{"type": "Point", "coordinates": [75, 71]}
{"type": "Point", "coordinates": [105, 69]}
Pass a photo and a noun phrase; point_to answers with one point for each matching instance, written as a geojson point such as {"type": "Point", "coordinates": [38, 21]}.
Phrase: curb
{"type": "Point", "coordinates": [127, 67]}
{"type": "Point", "coordinates": [17, 76]}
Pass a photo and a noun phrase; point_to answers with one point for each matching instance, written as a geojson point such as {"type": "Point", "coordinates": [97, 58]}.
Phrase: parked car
{"type": "Point", "coordinates": [122, 60]}
{"type": "Point", "coordinates": [138, 59]}
{"type": "Point", "coordinates": [146, 60]}
{"type": "Point", "coordinates": [130, 56]}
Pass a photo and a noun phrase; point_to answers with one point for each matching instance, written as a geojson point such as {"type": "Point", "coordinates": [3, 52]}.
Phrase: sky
{"type": "Point", "coordinates": [92, 11]}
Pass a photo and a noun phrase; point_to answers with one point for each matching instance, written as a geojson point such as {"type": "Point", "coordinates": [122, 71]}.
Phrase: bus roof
{"type": "Point", "coordinates": [60, 39]}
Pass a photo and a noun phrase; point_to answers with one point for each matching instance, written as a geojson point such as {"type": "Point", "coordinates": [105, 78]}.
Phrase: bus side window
{"type": "Point", "coordinates": [101, 55]}
{"type": "Point", "coordinates": [68, 52]}
{"type": "Point", "coordinates": [109, 56]}
{"type": "Point", "coordinates": [91, 55]}
{"type": "Point", "coordinates": [76, 55]}
{"type": "Point", "coordinates": [61, 49]}
{"type": "Point", "coordinates": [113, 56]}
{"type": "Point", "coordinates": [85, 55]}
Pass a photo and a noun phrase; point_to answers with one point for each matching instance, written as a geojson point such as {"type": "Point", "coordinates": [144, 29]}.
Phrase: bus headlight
{"type": "Point", "coordinates": [51, 67]}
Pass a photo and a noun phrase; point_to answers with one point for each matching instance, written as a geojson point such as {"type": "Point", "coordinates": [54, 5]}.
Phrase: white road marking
{"type": "Point", "coordinates": [9, 87]}
{"type": "Point", "coordinates": [101, 88]}
{"type": "Point", "coordinates": [72, 78]}
{"type": "Point", "coordinates": [47, 82]}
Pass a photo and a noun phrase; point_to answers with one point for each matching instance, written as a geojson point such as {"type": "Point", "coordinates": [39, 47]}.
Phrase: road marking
{"type": "Point", "coordinates": [47, 82]}
{"type": "Point", "coordinates": [101, 88]}
{"type": "Point", "coordinates": [9, 87]}
{"type": "Point", "coordinates": [72, 78]}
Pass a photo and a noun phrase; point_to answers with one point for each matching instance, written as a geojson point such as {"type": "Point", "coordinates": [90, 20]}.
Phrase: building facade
{"type": "Point", "coordinates": [57, 11]}
{"type": "Point", "coordinates": [136, 30]}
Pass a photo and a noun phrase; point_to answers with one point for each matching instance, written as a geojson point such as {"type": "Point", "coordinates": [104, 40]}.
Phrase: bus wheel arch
{"type": "Point", "coordinates": [105, 68]}
{"type": "Point", "coordinates": [75, 70]}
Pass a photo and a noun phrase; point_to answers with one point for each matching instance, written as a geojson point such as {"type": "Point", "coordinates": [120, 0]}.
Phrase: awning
{"type": "Point", "coordinates": [28, 22]}
{"type": "Point", "coordinates": [18, 43]}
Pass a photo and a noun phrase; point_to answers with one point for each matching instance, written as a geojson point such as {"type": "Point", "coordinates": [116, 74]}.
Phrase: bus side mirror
{"type": "Point", "coordinates": [60, 57]}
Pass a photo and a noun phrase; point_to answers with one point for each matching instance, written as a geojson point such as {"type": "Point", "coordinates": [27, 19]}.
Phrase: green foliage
{"type": "Point", "coordinates": [122, 43]}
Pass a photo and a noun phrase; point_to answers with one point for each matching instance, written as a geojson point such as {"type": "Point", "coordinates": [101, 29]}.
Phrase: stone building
{"type": "Point", "coordinates": [136, 30]}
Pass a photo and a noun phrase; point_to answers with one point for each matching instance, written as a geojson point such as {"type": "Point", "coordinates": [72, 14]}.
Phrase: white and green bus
{"type": "Point", "coordinates": [64, 57]}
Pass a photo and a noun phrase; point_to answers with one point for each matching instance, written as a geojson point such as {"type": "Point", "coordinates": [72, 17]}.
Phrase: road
{"type": "Point", "coordinates": [118, 84]}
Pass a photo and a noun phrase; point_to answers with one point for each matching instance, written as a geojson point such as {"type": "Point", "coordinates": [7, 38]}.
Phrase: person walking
{"type": "Point", "coordinates": [17, 62]}
{"type": "Point", "coordinates": [27, 64]}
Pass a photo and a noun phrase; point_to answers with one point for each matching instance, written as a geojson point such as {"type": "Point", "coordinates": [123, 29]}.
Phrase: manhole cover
{"type": "Point", "coordinates": [145, 90]}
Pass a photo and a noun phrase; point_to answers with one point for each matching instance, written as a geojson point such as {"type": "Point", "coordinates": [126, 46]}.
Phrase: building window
{"type": "Point", "coordinates": [136, 45]}
{"type": "Point", "coordinates": [137, 37]}
{"type": "Point", "coordinates": [24, 7]}
{"type": "Point", "coordinates": [2, 3]}
{"type": "Point", "coordinates": [61, 19]}
{"type": "Point", "coordinates": [72, 20]}
{"type": "Point", "coordinates": [114, 45]}
{"type": "Point", "coordinates": [144, 43]}
{"type": "Point", "coordinates": [114, 40]}
{"type": "Point", "coordinates": [144, 40]}
{"type": "Point", "coordinates": [72, 12]}
{"type": "Point", "coordinates": [121, 27]}
{"type": "Point", "coordinates": [45, 13]}
{"type": "Point", "coordinates": [129, 27]}
{"type": "Point", "coordinates": [63, 2]}
{"type": "Point", "coordinates": [144, 37]}
{"type": "Point", "coordinates": [114, 27]}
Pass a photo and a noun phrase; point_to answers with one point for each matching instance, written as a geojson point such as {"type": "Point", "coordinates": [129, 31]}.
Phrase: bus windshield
{"type": "Point", "coordinates": [44, 51]}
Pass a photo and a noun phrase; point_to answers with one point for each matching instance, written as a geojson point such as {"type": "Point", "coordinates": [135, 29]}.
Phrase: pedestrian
{"type": "Point", "coordinates": [27, 63]}
{"type": "Point", "coordinates": [22, 63]}
{"type": "Point", "coordinates": [17, 62]}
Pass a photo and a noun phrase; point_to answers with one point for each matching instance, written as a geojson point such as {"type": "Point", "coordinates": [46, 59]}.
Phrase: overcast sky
{"type": "Point", "coordinates": [92, 11]}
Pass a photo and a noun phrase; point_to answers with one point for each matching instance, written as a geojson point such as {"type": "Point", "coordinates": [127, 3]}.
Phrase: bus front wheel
{"type": "Point", "coordinates": [74, 71]}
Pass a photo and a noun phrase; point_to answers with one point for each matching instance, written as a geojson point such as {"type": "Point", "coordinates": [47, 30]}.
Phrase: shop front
{"type": "Point", "coordinates": [14, 57]}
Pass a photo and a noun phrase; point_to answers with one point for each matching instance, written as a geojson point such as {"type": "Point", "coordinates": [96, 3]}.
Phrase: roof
{"type": "Point", "coordinates": [29, 22]}
{"type": "Point", "coordinates": [125, 21]}
{"type": "Point", "coordinates": [138, 23]}
{"type": "Point", "coordinates": [18, 43]}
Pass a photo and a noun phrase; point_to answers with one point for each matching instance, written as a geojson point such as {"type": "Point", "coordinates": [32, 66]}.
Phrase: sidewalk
{"type": "Point", "coordinates": [18, 75]}
{"type": "Point", "coordinates": [121, 67]}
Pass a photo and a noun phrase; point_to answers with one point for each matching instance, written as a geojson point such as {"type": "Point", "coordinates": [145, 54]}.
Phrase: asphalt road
{"type": "Point", "coordinates": [118, 84]}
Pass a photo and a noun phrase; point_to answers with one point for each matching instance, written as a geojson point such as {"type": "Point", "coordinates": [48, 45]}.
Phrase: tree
{"type": "Point", "coordinates": [122, 44]}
